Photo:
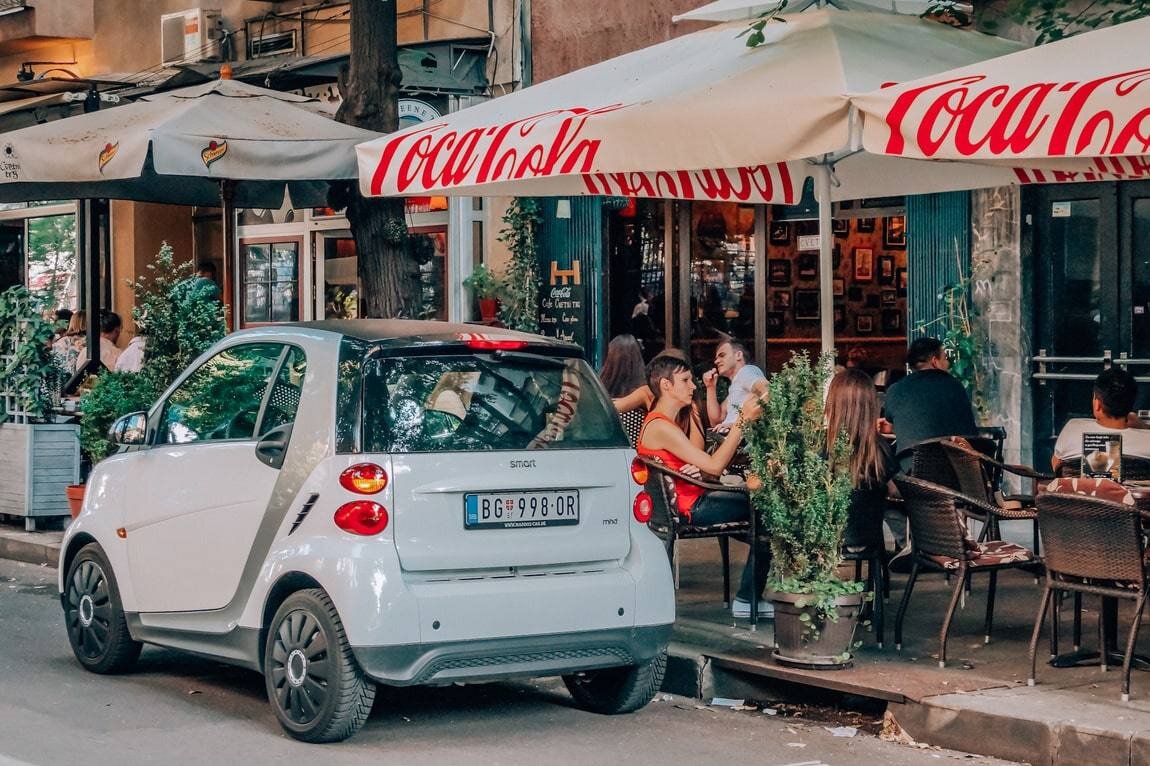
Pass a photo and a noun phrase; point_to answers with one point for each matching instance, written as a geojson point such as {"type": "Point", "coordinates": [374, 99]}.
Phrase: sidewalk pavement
{"type": "Point", "coordinates": [979, 703]}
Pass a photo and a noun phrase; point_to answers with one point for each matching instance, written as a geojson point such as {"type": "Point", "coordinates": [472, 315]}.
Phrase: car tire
{"type": "Point", "coordinates": [94, 615]}
{"type": "Point", "coordinates": [317, 689]}
{"type": "Point", "coordinates": [613, 691]}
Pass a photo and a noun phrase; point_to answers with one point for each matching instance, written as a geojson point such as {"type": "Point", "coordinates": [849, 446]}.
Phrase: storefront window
{"type": "Point", "coordinates": [52, 258]}
{"type": "Point", "coordinates": [722, 297]}
{"type": "Point", "coordinates": [340, 279]}
{"type": "Point", "coordinates": [430, 248]}
{"type": "Point", "coordinates": [638, 273]}
{"type": "Point", "coordinates": [271, 281]}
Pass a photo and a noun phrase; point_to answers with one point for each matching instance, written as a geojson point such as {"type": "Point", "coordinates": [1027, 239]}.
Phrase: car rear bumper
{"type": "Point", "coordinates": [541, 655]}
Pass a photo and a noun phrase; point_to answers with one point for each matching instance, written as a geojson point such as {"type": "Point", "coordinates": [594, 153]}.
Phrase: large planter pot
{"type": "Point", "coordinates": [796, 648]}
{"type": "Point", "coordinates": [37, 461]}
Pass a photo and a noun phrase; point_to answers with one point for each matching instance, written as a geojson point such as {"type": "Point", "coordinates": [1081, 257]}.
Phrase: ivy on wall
{"type": "Point", "coordinates": [520, 307]}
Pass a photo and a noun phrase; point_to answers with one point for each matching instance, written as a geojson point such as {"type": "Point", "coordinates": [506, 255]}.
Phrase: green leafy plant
{"type": "Point", "coordinates": [179, 324]}
{"type": "Point", "coordinates": [754, 32]}
{"type": "Point", "coordinates": [29, 374]}
{"type": "Point", "coordinates": [802, 500]}
{"type": "Point", "coordinates": [484, 283]}
{"type": "Point", "coordinates": [520, 309]}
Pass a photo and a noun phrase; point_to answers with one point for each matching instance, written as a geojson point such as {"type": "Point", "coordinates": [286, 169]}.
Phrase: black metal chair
{"type": "Point", "coordinates": [671, 527]}
{"type": "Point", "coordinates": [939, 543]}
{"type": "Point", "coordinates": [1093, 546]}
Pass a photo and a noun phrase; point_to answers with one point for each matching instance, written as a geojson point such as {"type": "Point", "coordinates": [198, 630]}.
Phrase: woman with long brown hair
{"type": "Point", "coordinates": [852, 408]}
{"type": "Point", "coordinates": [662, 437]}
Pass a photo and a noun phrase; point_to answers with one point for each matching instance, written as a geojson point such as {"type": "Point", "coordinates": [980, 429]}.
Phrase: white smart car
{"type": "Point", "coordinates": [340, 503]}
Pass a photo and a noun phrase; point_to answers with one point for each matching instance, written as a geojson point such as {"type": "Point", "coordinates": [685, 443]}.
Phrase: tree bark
{"type": "Point", "coordinates": [388, 275]}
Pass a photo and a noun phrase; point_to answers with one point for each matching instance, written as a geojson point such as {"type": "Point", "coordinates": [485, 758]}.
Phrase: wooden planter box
{"type": "Point", "coordinates": [37, 462]}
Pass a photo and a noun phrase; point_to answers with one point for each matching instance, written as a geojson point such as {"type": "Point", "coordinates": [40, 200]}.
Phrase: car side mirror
{"type": "Point", "coordinates": [130, 430]}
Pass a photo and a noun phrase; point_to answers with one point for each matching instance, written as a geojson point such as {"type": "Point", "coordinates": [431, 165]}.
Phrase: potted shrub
{"type": "Point", "coordinates": [803, 504]}
{"type": "Point", "coordinates": [486, 287]}
{"type": "Point", "coordinates": [180, 323]}
{"type": "Point", "coordinates": [38, 456]}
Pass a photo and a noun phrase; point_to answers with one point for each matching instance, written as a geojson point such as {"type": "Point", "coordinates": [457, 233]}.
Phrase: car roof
{"type": "Point", "coordinates": [411, 332]}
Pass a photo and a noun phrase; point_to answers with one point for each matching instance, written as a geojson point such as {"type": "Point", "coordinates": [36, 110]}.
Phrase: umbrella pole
{"type": "Point", "coordinates": [826, 256]}
{"type": "Point", "coordinates": [230, 279]}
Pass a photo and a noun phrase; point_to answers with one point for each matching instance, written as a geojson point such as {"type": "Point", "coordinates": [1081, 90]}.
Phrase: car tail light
{"type": "Point", "coordinates": [495, 344]}
{"type": "Point", "coordinates": [364, 479]}
{"type": "Point", "coordinates": [639, 471]}
{"type": "Point", "coordinates": [361, 517]}
{"type": "Point", "coordinates": [643, 508]}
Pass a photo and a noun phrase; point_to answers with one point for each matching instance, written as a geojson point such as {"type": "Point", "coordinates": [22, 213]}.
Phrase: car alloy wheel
{"type": "Point", "coordinates": [317, 689]}
{"type": "Point", "coordinates": [94, 617]}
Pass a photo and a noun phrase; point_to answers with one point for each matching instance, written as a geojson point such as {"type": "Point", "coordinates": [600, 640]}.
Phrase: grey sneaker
{"type": "Point", "coordinates": [740, 608]}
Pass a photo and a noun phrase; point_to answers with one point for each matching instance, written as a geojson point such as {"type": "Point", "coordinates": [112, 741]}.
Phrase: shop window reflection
{"type": "Point", "coordinates": [722, 268]}
{"type": "Point", "coordinates": [271, 282]}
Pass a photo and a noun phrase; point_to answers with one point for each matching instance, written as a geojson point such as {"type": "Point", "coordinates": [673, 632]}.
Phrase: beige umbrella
{"type": "Point", "coordinates": [701, 116]}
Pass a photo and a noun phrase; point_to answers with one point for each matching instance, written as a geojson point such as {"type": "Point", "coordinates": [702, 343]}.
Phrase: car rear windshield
{"type": "Point", "coordinates": [470, 402]}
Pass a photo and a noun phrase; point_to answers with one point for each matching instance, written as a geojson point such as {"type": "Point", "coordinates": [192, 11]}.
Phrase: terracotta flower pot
{"type": "Point", "coordinates": [488, 309]}
{"type": "Point", "coordinates": [75, 494]}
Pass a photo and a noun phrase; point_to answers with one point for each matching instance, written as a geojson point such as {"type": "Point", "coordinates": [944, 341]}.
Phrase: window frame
{"type": "Point", "coordinates": [242, 273]}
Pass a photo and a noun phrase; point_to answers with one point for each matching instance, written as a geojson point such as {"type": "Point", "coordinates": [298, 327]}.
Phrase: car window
{"type": "Point", "coordinates": [222, 398]}
{"type": "Point", "coordinates": [283, 400]}
{"type": "Point", "coordinates": [486, 402]}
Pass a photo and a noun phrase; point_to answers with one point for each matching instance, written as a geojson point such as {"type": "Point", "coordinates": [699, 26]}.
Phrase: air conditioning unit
{"type": "Point", "coordinates": [191, 36]}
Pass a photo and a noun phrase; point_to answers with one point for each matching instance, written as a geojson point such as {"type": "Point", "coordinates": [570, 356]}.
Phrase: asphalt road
{"type": "Point", "coordinates": [176, 709]}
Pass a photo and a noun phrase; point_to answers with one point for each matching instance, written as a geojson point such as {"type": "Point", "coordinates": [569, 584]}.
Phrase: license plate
{"type": "Point", "coordinates": [521, 510]}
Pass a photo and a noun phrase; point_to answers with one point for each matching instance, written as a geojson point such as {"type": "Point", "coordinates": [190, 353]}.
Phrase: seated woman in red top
{"type": "Point", "coordinates": [670, 379]}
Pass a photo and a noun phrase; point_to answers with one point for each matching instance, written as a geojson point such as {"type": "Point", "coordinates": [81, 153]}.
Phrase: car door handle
{"type": "Point", "coordinates": [272, 448]}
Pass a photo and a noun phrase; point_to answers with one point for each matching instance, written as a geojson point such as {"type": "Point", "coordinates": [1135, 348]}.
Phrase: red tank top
{"type": "Point", "coordinates": [686, 494]}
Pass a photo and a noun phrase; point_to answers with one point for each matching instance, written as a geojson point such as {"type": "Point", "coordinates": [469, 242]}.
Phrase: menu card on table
{"type": "Point", "coordinates": [1102, 456]}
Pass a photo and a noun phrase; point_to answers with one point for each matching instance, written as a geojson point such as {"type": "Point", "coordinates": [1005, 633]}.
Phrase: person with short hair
{"type": "Point", "coordinates": [203, 283]}
{"type": "Point", "coordinates": [746, 379]}
{"type": "Point", "coordinates": [928, 403]}
{"type": "Point", "coordinates": [110, 328]}
{"type": "Point", "coordinates": [1113, 399]}
{"type": "Point", "coordinates": [663, 438]}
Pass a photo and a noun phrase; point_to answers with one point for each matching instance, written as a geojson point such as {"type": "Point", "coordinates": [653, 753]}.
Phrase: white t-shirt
{"type": "Point", "coordinates": [1135, 441]}
{"type": "Point", "coordinates": [740, 389]}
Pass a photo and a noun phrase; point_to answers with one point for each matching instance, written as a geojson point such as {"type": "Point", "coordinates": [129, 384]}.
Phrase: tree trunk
{"type": "Point", "coordinates": [388, 275]}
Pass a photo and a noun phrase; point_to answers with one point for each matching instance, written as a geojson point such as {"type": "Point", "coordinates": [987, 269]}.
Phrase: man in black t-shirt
{"type": "Point", "coordinates": [928, 403]}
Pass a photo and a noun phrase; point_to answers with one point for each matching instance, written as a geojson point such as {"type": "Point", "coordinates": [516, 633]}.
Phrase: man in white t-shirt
{"type": "Point", "coordinates": [746, 379]}
{"type": "Point", "coordinates": [1114, 393]}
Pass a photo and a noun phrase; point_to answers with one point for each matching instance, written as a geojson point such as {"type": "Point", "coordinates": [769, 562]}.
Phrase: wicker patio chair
{"type": "Point", "coordinates": [671, 527]}
{"type": "Point", "coordinates": [939, 543]}
{"type": "Point", "coordinates": [975, 472]}
{"type": "Point", "coordinates": [1093, 546]}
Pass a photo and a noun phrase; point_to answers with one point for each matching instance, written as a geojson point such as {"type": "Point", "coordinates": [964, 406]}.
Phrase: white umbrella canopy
{"type": "Point", "coordinates": [658, 121]}
{"type": "Point", "coordinates": [177, 147]}
{"type": "Point", "coordinates": [1073, 110]}
{"type": "Point", "coordinates": [698, 117]}
{"type": "Point", "coordinates": [732, 10]}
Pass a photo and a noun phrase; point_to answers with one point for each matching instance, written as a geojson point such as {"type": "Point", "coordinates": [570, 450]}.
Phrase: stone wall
{"type": "Point", "coordinates": [1001, 303]}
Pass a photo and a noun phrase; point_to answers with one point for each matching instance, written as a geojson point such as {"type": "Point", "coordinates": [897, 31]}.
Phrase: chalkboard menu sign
{"type": "Point", "coordinates": [563, 300]}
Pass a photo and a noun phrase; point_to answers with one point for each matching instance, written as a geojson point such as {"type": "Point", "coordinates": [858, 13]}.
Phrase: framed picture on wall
{"type": "Point", "coordinates": [806, 304]}
{"type": "Point", "coordinates": [900, 282]}
{"type": "Point", "coordinates": [807, 227]}
{"type": "Point", "coordinates": [775, 320]}
{"type": "Point", "coordinates": [837, 256]}
{"type": "Point", "coordinates": [841, 227]}
{"type": "Point", "coordinates": [889, 297]}
{"type": "Point", "coordinates": [864, 324]}
{"type": "Point", "coordinates": [780, 233]}
{"type": "Point", "coordinates": [864, 225]}
{"type": "Point", "coordinates": [779, 272]}
{"type": "Point", "coordinates": [894, 232]}
{"type": "Point", "coordinates": [855, 293]}
{"type": "Point", "coordinates": [838, 287]}
{"type": "Point", "coordinates": [840, 317]}
{"type": "Point", "coordinates": [886, 269]}
{"type": "Point", "coordinates": [891, 321]}
{"type": "Point", "coordinates": [864, 264]}
{"type": "Point", "coordinates": [780, 300]}
{"type": "Point", "coordinates": [808, 266]}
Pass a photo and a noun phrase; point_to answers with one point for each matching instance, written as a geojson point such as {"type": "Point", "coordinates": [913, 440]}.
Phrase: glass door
{"type": "Point", "coordinates": [336, 276]}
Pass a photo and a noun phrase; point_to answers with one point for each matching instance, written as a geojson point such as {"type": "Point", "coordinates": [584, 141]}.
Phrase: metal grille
{"type": "Point", "coordinates": [510, 661]}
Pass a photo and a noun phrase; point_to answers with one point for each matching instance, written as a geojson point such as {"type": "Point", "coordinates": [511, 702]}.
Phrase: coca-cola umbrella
{"type": "Point", "coordinates": [700, 116]}
{"type": "Point", "coordinates": [1074, 110]}
{"type": "Point", "coordinates": [221, 143]}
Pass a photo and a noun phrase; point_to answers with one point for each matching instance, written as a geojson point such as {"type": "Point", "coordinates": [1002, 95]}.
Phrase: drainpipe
{"type": "Point", "coordinates": [525, 36]}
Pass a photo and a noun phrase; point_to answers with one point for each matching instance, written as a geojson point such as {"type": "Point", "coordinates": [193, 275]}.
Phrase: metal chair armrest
{"type": "Point", "coordinates": [710, 486]}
